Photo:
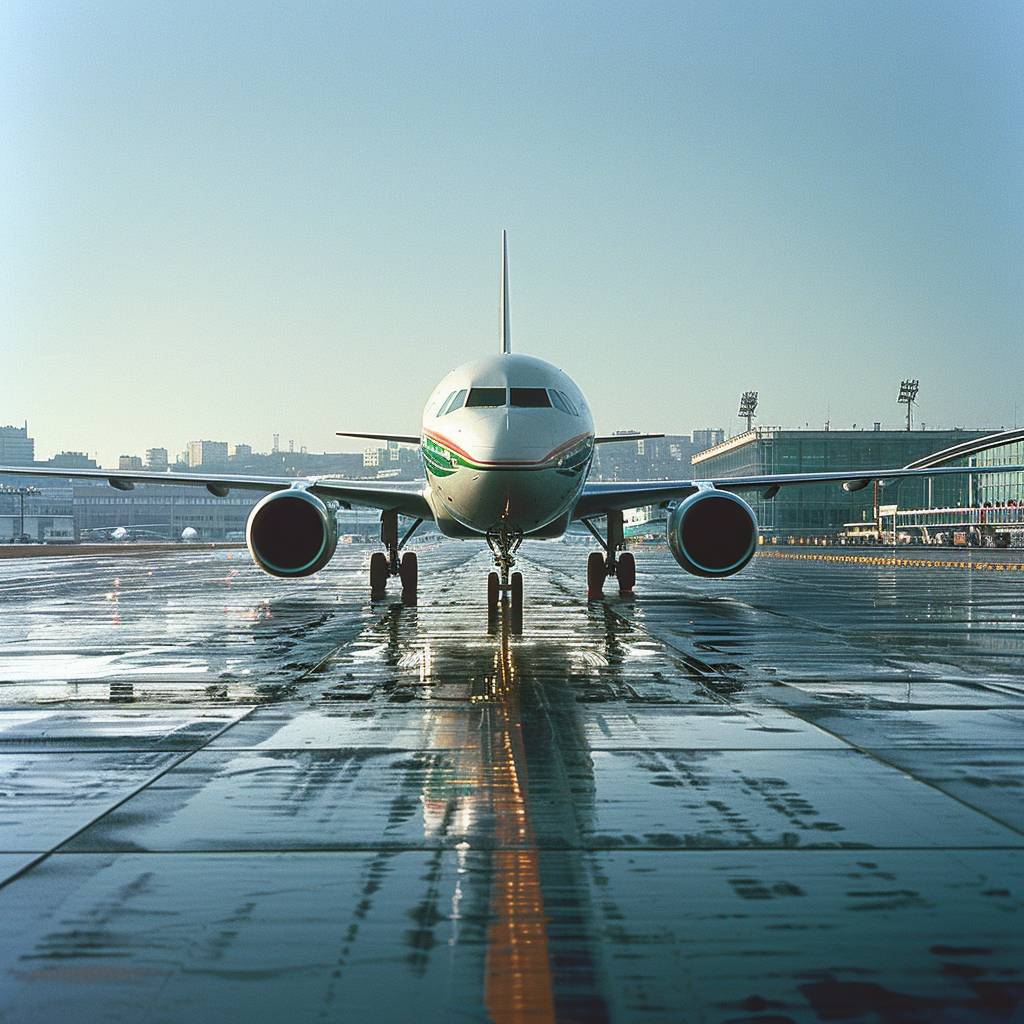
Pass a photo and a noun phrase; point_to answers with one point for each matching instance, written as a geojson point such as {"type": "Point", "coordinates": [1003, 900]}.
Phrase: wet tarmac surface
{"type": "Point", "coordinates": [796, 795]}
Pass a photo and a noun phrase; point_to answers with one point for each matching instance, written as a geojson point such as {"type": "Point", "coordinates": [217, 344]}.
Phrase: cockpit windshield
{"type": "Point", "coordinates": [485, 398]}
{"type": "Point", "coordinates": [529, 398]}
{"type": "Point", "coordinates": [518, 398]}
{"type": "Point", "coordinates": [453, 402]}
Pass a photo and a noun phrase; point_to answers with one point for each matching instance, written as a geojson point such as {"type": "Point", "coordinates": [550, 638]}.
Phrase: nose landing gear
{"type": "Point", "coordinates": [383, 566]}
{"type": "Point", "coordinates": [504, 544]}
{"type": "Point", "coordinates": [615, 562]}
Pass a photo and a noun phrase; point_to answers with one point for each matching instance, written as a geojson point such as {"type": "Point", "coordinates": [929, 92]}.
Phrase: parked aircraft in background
{"type": "Point", "coordinates": [507, 443]}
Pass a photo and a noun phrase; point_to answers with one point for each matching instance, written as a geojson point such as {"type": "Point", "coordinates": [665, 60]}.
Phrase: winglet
{"type": "Point", "coordinates": [506, 333]}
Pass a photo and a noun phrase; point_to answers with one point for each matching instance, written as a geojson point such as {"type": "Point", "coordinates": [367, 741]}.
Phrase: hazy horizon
{"type": "Point", "coordinates": [228, 222]}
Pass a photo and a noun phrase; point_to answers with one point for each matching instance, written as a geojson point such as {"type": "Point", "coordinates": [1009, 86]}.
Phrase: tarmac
{"type": "Point", "coordinates": [795, 795]}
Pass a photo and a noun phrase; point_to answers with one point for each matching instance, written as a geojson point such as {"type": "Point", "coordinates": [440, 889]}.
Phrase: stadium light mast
{"type": "Point", "coordinates": [748, 407]}
{"type": "Point", "coordinates": [908, 396]}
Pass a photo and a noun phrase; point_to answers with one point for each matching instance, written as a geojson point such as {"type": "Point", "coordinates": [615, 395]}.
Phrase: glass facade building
{"type": "Point", "coordinates": [819, 509]}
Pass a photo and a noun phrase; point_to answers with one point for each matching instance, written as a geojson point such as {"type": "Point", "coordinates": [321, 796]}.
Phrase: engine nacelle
{"type": "Point", "coordinates": [712, 533]}
{"type": "Point", "coordinates": [291, 533]}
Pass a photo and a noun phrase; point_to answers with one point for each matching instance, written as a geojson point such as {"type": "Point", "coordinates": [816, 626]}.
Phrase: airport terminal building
{"type": "Point", "coordinates": [816, 509]}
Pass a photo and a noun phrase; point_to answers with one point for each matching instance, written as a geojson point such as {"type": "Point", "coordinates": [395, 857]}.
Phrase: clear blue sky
{"type": "Point", "coordinates": [223, 220]}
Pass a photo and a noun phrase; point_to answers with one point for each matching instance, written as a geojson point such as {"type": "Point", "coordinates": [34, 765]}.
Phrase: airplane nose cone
{"type": "Point", "coordinates": [511, 436]}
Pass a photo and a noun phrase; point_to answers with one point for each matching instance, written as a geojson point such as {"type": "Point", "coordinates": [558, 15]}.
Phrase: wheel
{"type": "Point", "coordinates": [517, 593]}
{"type": "Point", "coordinates": [378, 574]}
{"type": "Point", "coordinates": [625, 572]}
{"type": "Point", "coordinates": [595, 575]}
{"type": "Point", "coordinates": [493, 591]}
{"type": "Point", "coordinates": [408, 570]}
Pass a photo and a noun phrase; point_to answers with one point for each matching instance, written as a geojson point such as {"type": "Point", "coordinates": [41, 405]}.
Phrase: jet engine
{"type": "Point", "coordinates": [291, 533]}
{"type": "Point", "coordinates": [712, 533]}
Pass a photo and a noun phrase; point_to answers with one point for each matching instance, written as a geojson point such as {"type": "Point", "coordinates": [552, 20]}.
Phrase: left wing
{"type": "Point", "coordinates": [600, 498]}
{"type": "Point", "coordinates": [406, 498]}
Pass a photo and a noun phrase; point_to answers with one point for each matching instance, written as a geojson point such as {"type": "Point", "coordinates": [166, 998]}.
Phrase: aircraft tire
{"type": "Point", "coordinates": [625, 571]}
{"type": "Point", "coordinates": [595, 575]}
{"type": "Point", "coordinates": [408, 571]}
{"type": "Point", "coordinates": [378, 574]}
{"type": "Point", "coordinates": [493, 592]}
{"type": "Point", "coordinates": [517, 593]}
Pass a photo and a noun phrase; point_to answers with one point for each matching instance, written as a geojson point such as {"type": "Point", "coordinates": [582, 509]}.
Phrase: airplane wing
{"type": "Point", "coordinates": [609, 438]}
{"type": "Point", "coordinates": [407, 498]}
{"type": "Point", "coordinates": [600, 498]}
{"type": "Point", "coordinates": [400, 438]}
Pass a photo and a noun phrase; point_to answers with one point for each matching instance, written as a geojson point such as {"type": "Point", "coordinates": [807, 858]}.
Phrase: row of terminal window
{"type": "Point", "coordinates": [492, 398]}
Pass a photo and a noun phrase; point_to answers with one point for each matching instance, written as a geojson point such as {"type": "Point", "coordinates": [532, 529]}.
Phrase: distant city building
{"type": "Point", "coordinates": [156, 459]}
{"type": "Point", "coordinates": [708, 438]}
{"type": "Point", "coordinates": [207, 453]}
{"type": "Point", "coordinates": [658, 458]}
{"type": "Point", "coordinates": [372, 457]}
{"type": "Point", "coordinates": [817, 509]}
{"type": "Point", "coordinates": [130, 462]}
{"type": "Point", "coordinates": [16, 447]}
{"type": "Point", "coordinates": [72, 460]}
{"type": "Point", "coordinates": [241, 451]}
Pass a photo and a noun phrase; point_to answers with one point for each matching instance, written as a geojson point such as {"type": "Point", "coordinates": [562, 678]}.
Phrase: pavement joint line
{"type": "Point", "coordinates": [874, 755]}
{"type": "Point", "coordinates": [25, 869]}
{"type": "Point", "coordinates": [453, 847]}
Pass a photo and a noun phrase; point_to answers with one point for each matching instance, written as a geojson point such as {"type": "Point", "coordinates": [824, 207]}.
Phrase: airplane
{"type": "Point", "coordinates": [507, 443]}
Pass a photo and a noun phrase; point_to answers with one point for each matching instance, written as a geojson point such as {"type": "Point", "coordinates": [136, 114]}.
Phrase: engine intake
{"type": "Point", "coordinates": [712, 533]}
{"type": "Point", "coordinates": [291, 533]}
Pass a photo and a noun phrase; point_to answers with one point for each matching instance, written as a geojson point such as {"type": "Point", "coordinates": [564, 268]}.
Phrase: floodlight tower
{"type": "Point", "coordinates": [748, 406]}
{"type": "Point", "coordinates": [908, 396]}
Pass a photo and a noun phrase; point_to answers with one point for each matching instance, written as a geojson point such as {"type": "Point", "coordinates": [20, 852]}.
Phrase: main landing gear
{"type": "Point", "coordinates": [505, 584]}
{"type": "Point", "coordinates": [383, 566]}
{"type": "Point", "coordinates": [614, 562]}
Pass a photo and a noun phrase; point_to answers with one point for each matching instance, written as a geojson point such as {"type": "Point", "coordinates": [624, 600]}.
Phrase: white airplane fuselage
{"type": "Point", "coordinates": [507, 443]}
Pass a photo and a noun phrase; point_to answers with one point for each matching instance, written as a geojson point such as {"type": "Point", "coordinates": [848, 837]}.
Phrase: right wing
{"type": "Point", "coordinates": [406, 498]}
{"type": "Point", "coordinates": [609, 438]}
{"type": "Point", "coordinates": [400, 438]}
{"type": "Point", "coordinates": [599, 499]}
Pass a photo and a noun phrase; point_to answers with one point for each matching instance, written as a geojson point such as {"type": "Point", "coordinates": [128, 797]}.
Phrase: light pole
{"type": "Point", "coordinates": [908, 396]}
{"type": "Point", "coordinates": [748, 407]}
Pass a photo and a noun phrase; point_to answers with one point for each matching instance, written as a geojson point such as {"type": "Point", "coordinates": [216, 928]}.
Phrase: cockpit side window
{"type": "Point", "coordinates": [455, 400]}
{"type": "Point", "coordinates": [443, 407]}
{"type": "Point", "coordinates": [529, 398]}
{"type": "Point", "coordinates": [485, 398]}
{"type": "Point", "coordinates": [563, 403]}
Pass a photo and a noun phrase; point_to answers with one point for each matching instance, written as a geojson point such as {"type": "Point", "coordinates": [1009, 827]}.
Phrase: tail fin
{"type": "Point", "coordinates": [506, 333]}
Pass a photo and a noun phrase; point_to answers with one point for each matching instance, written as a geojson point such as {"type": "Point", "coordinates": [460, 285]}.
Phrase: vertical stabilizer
{"type": "Point", "coordinates": [506, 334]}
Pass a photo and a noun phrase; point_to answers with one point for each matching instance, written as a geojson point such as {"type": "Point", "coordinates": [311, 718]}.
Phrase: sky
{"type": "Point", "coordinates": [225, 220]}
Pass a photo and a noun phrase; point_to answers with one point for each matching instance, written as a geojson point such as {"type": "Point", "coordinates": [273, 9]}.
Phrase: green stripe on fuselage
{"type": "Point", "coordinates": [442, 461]}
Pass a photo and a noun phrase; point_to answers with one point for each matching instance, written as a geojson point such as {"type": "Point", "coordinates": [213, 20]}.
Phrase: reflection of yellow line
{"type": "Point", "coordinates": [518, 973]}
{"type": "Point", "coordinates": [930, 563]}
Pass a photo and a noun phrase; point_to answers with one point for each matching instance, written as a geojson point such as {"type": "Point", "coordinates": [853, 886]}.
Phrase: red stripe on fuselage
{"type": "Point", "coordinates": [441, 439]}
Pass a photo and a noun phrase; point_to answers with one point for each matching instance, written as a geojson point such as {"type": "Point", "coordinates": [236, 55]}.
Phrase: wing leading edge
{"type": "Point", "coordinates": [600, 498]}
{"type": "Point", "coordinates": [408, 499]}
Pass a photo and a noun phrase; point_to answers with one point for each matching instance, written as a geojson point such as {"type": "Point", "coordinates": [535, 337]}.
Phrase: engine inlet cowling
{"type": "Point", "coordinates": [291, 533]}
{"type": "Point", "coordinates": [712, 533]}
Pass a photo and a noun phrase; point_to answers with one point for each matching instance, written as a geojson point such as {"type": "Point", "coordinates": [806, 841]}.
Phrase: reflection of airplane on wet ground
{"type": "Point", "coordinates": [507, 442]}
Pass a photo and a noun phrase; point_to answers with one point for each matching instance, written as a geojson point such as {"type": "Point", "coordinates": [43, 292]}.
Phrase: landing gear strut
{"type": "Point", "coordinates": [504, 544]}
{"type": "Point", "coordinates": [382, 565]}
{"type": "Point", "coordinates": [615, 562]}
